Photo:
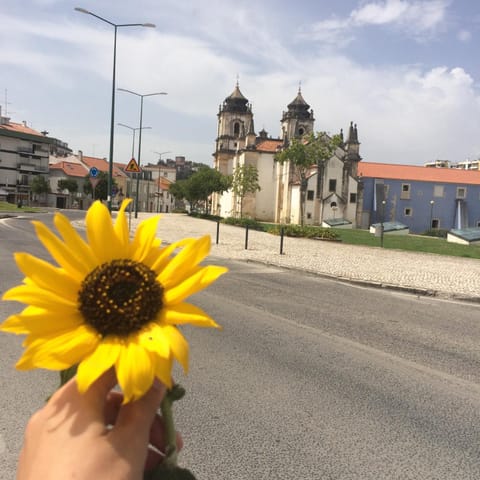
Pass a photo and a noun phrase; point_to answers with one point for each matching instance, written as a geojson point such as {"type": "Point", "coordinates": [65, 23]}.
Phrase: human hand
{"type": "Point", "coordinates": [92, 435]}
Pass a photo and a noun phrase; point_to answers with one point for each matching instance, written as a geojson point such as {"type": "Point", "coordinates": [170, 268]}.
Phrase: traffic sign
{"type": "Point", "coordinates": [133, 167]}
{"type": "Point", "coordinates": [93, 172]}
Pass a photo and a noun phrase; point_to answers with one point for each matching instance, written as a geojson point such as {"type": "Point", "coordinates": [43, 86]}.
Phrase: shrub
{"type": "Point", "coordinates": [436, 232]}
{"type": "Point", "coordinates": [206, 216]}
{"type": "Point", "coordinates": [244, 222]}
{"type": "Point", "coordinates": [307, 231]}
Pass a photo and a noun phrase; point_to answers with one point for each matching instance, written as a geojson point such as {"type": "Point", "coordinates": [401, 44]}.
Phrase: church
{"type": "Point", "coordinates": [333, 193]}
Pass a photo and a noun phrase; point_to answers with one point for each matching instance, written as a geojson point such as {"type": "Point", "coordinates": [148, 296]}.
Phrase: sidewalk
{"type": "Point", "coordinates": [421, 273]}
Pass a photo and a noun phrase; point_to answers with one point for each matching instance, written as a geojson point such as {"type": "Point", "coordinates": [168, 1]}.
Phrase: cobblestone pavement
{"type": "Point", "coordinates": [422, 273]}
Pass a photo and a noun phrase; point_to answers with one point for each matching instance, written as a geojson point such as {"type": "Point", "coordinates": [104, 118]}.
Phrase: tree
{"type": "Point", "coordinates": [198, 187]}
{"type": "Point", "coordinates": [245, 181]}
{"type": "Point", "coordinates": [303, 154]}
{"type": "Point", "coordinates": [101, 188]}
{"type": "Point", "coordinates": [67, 184]}
{"type": "Point", "coordinates": [40, 185]}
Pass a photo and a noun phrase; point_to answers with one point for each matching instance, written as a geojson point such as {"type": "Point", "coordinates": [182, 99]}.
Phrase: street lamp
{"type": "Point", "coordinates": [140, 134]}
{"type": "Point", "coordinates": [432, 203]}
{"type": "Point", "coordinates": [133, 129]}
{"type": "Point", "coordinates": [382, 228]}
{"type": "Point", "coordinates": [158, 180]}
{"type": "Point", "coordinates": [112, 118]}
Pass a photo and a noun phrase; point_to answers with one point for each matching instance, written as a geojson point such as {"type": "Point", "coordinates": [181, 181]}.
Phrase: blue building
{"type": "Point", "coordinates": [420, 197]}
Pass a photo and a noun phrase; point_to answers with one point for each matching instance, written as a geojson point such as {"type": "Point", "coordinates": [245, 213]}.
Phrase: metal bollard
{"type": "Point", "coordinates": [218, 231]}
{"type": "Point", "coordinates": [246, 237]}
{"type": "Point", "coordinates": [282, 233]}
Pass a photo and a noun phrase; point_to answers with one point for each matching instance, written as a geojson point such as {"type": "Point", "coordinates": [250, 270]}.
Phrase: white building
{"type": "Point", "coordinates": [332, 188]}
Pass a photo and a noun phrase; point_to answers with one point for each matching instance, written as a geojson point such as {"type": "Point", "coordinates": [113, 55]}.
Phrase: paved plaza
{"type": "Point", "coordinates": [422, 273]}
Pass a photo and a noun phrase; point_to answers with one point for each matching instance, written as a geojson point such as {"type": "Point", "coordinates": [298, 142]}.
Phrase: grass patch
{"type": "Point", "coordinates": [10, 207]}
{"type": "Point", "coordinates": [414, 243]}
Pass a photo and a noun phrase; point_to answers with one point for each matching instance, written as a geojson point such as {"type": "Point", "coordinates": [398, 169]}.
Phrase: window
{"type": "Point", "coordinates": [438, 190]}
{"type": "Point", "coordinates": [353, 198]}
{"type": "Point", "coordinates": [332, 185]}
{"type": "Point", "coordinates": [405, 193]}
{"type": "Point", "coordinates": [461, 192]}
{"type": "Point", "coordinates": [407, 212]}
{"type": "Point", "coordinates": [333, 204]}
{"type": "Point", "coordinates": [301, 131]}
{"type": "Point", "coordinates": [236, 129]}
{"type": "Point", "coordinates": [309, 215]}
{"type": "Point", "coordinates": [310, 194]}
{"type": "Point", "coordinates": [435, 223]}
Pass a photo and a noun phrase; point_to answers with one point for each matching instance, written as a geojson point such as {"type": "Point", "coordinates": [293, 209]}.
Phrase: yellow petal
{"type": "Point", "coordinates": [144, 239]}
{"type": "Point", "coordinates": [47, 276]}
{"type": "Point", "coordinates": [200, 280]}
{"type": "Point", "coordinates": [163, 257]}
{"type": "Point", "coordinates": [121, 224]}
{"type": "Point", "coordinates": [74, 241]}
{"type": "Point", "coordinates": [186, 313]}
{"type": "Point", "coordinates": [38, 297]}
{"type": "Point", "coordinates": [41, 322]}
{"type": "Point", "coordinates": [153, 339]}
{"type": "Point", "coordinates": [181, 265]}
{"type": "Point", "coordinates": [178, 344]}
{"type": "Point", "coordinates": [101, 235]}
{"type": "Point", "coordinates": [61, 253]}
{"type": "Point", "coordinates": [93, 366]}
{"type": "Point", "coordinates": [163, 369]}
{"type": "Point", "coordinates": [59, 350]}
{"type": "Point", "coordinates": [135, 370]}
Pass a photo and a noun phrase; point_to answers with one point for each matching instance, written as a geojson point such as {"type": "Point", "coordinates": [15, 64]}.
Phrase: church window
{"type": "Point", "coordinates": [310, 194]}
{"type": "Point", "coordinates": [353, 198]}
{"type": "Point", "coordinates": [332, 185]}
{"type": "Point", "coordinates": [236, 128]}
{"type": "Point", "coordinates": [301, 131]}
{"type": "Point", "coordinates": [309, 215]}
{"type": "Point", "coordinates": [333, 204]}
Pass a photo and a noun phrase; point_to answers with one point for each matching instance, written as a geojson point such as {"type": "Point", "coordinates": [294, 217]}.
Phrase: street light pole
{"type": "Point", "coordinates": [158, 179]}
{"type": "Point", "coordinates": [382, 227]}
{"type": "Point", "coordinates": [432, 202]}
{"type": "Point", "coordinates": [112, 115]}
{"type": "Point", "coordinates": [133, 129]}
{"type": "Point", "coordinates": [142, 96]}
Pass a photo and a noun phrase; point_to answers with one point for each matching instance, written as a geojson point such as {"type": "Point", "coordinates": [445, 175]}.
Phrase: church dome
{"type": "Point", "coordinates": [236, 102]}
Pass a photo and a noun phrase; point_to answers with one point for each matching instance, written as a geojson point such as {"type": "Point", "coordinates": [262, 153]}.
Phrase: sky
{"type": "Point", "coordinates": [406, 72]}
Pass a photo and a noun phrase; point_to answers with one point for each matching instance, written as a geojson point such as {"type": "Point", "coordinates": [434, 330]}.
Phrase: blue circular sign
{"type": "Point", "coordinates": [93, 172]}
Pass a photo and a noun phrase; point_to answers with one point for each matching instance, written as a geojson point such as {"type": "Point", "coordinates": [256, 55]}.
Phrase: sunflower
{"type": "Point", "coordinates": [112, 301]}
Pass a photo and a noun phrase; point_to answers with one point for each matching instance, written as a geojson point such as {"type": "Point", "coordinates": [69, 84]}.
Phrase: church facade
{"type": "Point", "coordinates": [333, 194]}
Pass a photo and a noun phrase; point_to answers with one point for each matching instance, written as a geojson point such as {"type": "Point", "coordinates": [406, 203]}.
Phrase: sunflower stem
{"type": "Point", "coordinates": [166, 407]}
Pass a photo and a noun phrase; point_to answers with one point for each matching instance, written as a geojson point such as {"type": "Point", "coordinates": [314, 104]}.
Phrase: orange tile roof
{"type": "Point", "coordinates": [164, 183]}
{"type": "Point", "coordinates": [70, 169]}
{"type": "Point", "coordinates": [101, 165]}
{"type": "Point", "coordinates": [20, 128]}
{"type": "Point", "coordinates": [269, 146]}
{"type": "Point", "coordinates": [421, 174]}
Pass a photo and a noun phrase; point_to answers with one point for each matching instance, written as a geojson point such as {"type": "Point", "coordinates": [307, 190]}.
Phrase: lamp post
{"type": "Point", "coordinates": [432, 203]}
{"type": "Point", "coordinates": [112, 115]}
{"type": "Point", "coordinates": [133, 129]}
{"type": "Point", "coordinates": [158, 179]}
{"type": "Point", "coordinates": [382, 228]}
{"type": "Point", "coordinates": [142, 96]}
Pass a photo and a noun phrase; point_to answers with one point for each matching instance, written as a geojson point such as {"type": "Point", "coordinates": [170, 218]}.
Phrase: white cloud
{"type": "Point", "coordinates": [417, 18]}
{"type": "Point", "coordinates": [464, 36]}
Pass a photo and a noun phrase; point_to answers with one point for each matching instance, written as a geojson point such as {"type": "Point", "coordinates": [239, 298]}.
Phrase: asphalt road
{"type": "Point", "coordinates": [309, 379]}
